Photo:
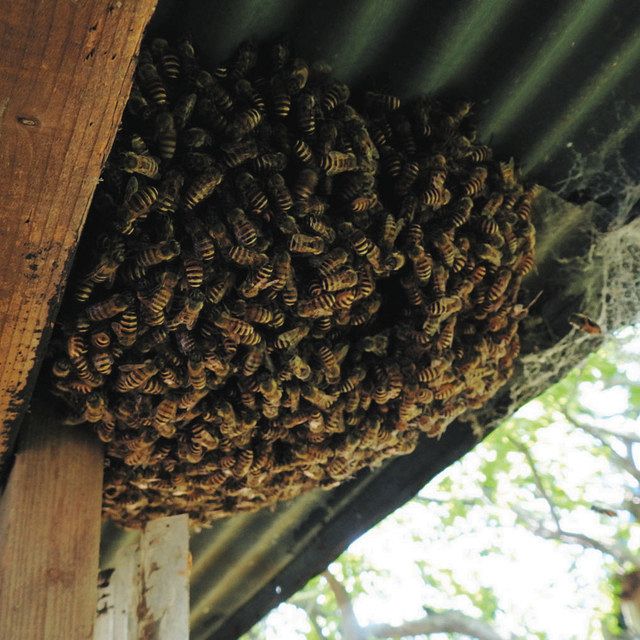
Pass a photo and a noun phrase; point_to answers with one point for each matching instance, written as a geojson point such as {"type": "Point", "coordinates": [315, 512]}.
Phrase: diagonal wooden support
{"type": "Point", "coordinates": [65, 75]}
{"type": "Point", "coordinates": [50, 532]}
{"type": "Point", "coordinates": [145, 593]}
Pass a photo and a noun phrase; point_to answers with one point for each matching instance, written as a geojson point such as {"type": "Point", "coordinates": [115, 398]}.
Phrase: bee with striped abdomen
{"type": "Point", "coordinates": [202, 187]}
{"type": "Point", "coordinates": [165, 135]}
{"type": "Point", "coordinates": [145, 165]}
{"type": "Point", "coordinates": [152, 84]}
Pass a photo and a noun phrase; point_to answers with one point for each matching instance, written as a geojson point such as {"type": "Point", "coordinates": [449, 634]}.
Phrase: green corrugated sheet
{"type": "Point", "coordinates": [550, 80]}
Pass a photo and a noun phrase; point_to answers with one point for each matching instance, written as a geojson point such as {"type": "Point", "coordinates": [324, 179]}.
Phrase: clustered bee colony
{"type": "Point", "coordinates": [287, 289]}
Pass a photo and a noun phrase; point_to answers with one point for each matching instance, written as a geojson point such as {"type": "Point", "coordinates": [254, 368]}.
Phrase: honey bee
{"type": "Point", "coordinates": [238, 153]}
{"type": "Point", "coordinates": [252, 361]}
{"type": "Point", "coordinates": [202, 187]}
{"type": "Point", "coordinates": [183, 110]}
{"type": "Point", "coordinates": [100, 339]}
{"type": "Point", "coordinates": [256, 281]}
{"type": "Point", "coordinates": [433, 371]}
{"type": "Point", "coordinates": [152, 84]}
{"type": "Point", "coordinates": [165, 416]}
{"type": "Point", "coordinates": [499, 285]}
{"type": "Point", "coordinates": [202, 243]}
{"type": "Point", "coordinates": [245, 122]}
{"type": "Point", "coordinates": [422, 263]}
{"type": "Point", "coordinates": [331, 368]}
{"type": "Point", "coordinates": [281, 270]}
{"type": "Point", "coordinates": [126, 328]}
{"type": "Point", "coordinates": [583, 323]}
{"type": "Point", "coordinates": [198, 161]}
{"type": "Point", "coordinates": [290, 291]}
{"type": "Point", "coordinates": [366, 284]}
{"type": "Point", "coordinates": [108, 308]}
{"type": "Point", "coordinates": [335, 94]}
{"type": "Point", "coordinates": [133, 376]}
{"type": "Point", "coordinates": [443, 306]}
{"type": "Point", "coordinates": [246, 257]}
{"type": "Point", "coordinates": [316, 307]}
{"type": "Point", "coordinates": [169, 61]}
{"type": "Point", "coordinates": [445, 339]}
{"type": "Point", "coordinates": [366, 310]}
{"type": "Point", "coordinates": [195, 137]}
{"type": "Point", "coordinates": [331, 261]}
{"type": "Point", "coordinates": [381, 102]}
{"type": "Point", "coordinates": [303, 151]}
{"type": "Point", "coordinates": [446, 248]}
{"type": "Point", "coordinates": [280, 102]}
{"type": "Point", "coordinates": [292, 337]}
{"type": "Point", "coordinates": [189, 312]}
{"type": "Point", "coordinates": [317, 397]}
{"type": "Point", "coordinates": [165, 135]}
{"type": "Point", "coordinates": [241, 331]}
{"type": "Point", "coordinates": [507, 173]}
{"type": "Point", "coordinates": [525, 264]}
{"type": "Point", "coordinates": [137, 206]}
{"type": "Point", "coordinates": [243, 229]}
{"type": "Point", "coordinates": [279, 193]}
{"type": "Point", "coordinates": [104, 271]}
{"type": "Point", "coordinates": [338, 280]}
{"type": "Point", "coordinates": [138, 105]}
{"type": "Point", "coordinates": [344, 300]}
{"type": "Point", "coordinates": [244, 460]}
{"type": "Point", "coordinates": [193, 272]}
{"type": "Point", "coordinates": [102, 362]}
{"type": "Point", "coordinates": [461, 214]}
{"type": "Point", "coordinates": [145, 165]}
{"type": "Point", "coordinates": [158, 300]}
{"type": "Point", "coordinates": [475, 182]}
{"type": "Point", "coordinates": [336, 162]}
{"type": "Point", "coordinates": [196, 371]}
{"type": "Point", "coordinates": [157, 253]}
{"type": "Point", "coordinates": [251, 191]}
{"type": "Point", "coordinates": [306, 244]}
{"type": "Point", "coordinates": [489, 253]}
{"type": "Point", "coordinates": [306, 183]}
{"type": "Point", "coordinates": [305, 113]}
{"type": "Point", "coordinates": [298, 367]}
{"type": "Point", "coordinates": [297, 76]}
{"type": "Point", "coordinates": [412, 291]}
{"type": "Point", "coordinates": [167, 200]}
{"type": "Point", "coordinates": [258, 313]}
{"type": "Point", "coordinates": [270, 162]}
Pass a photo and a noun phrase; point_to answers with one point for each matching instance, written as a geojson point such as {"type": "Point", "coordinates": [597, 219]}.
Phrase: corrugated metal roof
{"type": "Point", "coordinates": [549, 79]}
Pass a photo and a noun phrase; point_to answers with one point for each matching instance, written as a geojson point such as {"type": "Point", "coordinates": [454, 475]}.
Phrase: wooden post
{"type": "Point", "coordinates": [50, 532]}
{"type": "Point", "coordinates": [145, 593]}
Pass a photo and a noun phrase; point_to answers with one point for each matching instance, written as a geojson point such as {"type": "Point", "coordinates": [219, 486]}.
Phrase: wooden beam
{"type": "Point", "coordinates": [145, 591]}
{"type": "Point", "coordinates": [50, 532]}
{"type": "Point", "coordinates": [65, 74]}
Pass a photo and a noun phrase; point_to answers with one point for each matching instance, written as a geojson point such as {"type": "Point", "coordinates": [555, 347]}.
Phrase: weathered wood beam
{"type": "Point", "coordinates": [65, 74]}
{"type": "Point", "coordinates": [144, 593]}
{"type": "Point", "coordinates": [50, 532]}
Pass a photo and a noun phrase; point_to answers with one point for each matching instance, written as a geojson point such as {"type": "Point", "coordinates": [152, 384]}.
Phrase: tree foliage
{"type": "Point", "coordinates": [559, 481]}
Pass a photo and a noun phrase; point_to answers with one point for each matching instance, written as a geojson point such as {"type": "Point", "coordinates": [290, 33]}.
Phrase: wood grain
{"type": "Point", "coordinates": [65, 74]}
{"type": "Point", "coordinates": [50, 532]}
{"type": "Point", "coordinates": [144, 591]}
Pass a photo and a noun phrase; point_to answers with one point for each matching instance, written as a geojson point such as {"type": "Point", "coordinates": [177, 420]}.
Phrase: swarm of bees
{"type": "Point", "coordinates": [285, 289]}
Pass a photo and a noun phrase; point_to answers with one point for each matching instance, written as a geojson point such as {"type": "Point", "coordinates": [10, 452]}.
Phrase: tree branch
{"type": "Point", "coordinates": [351, 629]}
{"type": "Point", "coordinates": [627, 462]}
{"type": "Point", "coordinates": [470, 502]}
{"type": "Point", "coordinates": [444, 622]}
{"type": "Point", "coordinates": [538, 480]}
{"type": "Point", "coordinates": [620, 555]}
